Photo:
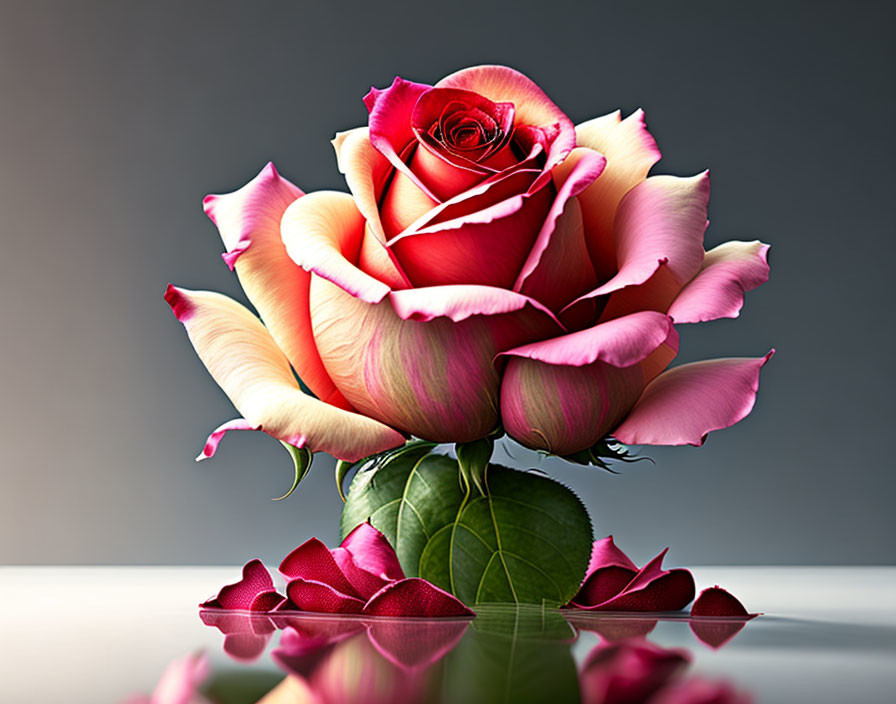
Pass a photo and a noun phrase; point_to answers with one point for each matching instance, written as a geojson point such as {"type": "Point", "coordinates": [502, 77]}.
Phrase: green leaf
{"type": "Point", "coordinates": [301, 460]}
{"type": "Point", "coordinates": [409, 499]}
{"type": "Point", "coordinates": [527, 540]}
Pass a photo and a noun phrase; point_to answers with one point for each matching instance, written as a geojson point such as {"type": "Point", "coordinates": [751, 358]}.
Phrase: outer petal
{"type": "Point", "coordinates": [422, 360]}
{"type": "Point", "coordinates": [717, 291]}
{"type": "Point", "coordinates": [659, 222]}
{"type": "Point", "coordinates": [249, 223]}
{"type": "Point", "coordinates": [415, 597]}
{"type": "Point", "coordinates": [501, 84]}
{"type": "Point", "coordinates": [366, 171]}
{"type": "Point", "coordinates": [558, 267]}
{"type": "Point", "coordinates": [246, 363]}
{"type": "Point", "coordinates": [684, 404]}
{"type": "Point", "coordinates": [630, 152]}
{"type": "Point", "coordinates": [323, 233]}
{"type": "Point", "coordinates": [562, 395]}
{"type": "Point", "coordinates": [211, 445]}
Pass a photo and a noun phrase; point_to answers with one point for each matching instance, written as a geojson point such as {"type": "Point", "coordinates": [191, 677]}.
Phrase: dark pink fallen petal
{"type": "Point", "coordinates": [415, 597]}
{"type": "Point", "coordinates": [717, 616]}
{"type": "Point", "coordinates": [371, 551]}
{"type": "Point", "coordinates": [604, 553]}
{"type": "Point", "coordinates": [715, 601]}
{"type": "Point", "coordinates": [603, 584]}
{"type": "Point", "coordinates": [313, 561]}
{"type": "Point", "coordinates": [240, 595]}
{"type": "Point", "coordinates": [651, 589]}
{"type": "Point", "coordinates": [413, 644]}
{"type": "Point", "coordinates": [365, 583]}
{"type": "Point", "coordinates": [267, 601]}
{"type": "Point", "coordinates": [309, 595]}
{"type": "Point", "coordinates": [628, 671]}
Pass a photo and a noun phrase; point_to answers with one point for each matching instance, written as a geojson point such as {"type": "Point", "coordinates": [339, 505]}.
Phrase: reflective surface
{"type": "Point", "coordinates": [107, 634]}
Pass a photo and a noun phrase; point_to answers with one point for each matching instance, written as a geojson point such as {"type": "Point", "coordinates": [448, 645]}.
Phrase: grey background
{"type": "Point", "coordinates": [116, 118]}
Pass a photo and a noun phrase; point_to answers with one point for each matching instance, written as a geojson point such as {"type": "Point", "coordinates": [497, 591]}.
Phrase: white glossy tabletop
{"type": "Point", "coordinates": [98, 634]}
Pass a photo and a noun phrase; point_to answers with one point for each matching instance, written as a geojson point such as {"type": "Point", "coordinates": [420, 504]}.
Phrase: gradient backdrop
{"type": "Point", "coordinates": [116, 118]}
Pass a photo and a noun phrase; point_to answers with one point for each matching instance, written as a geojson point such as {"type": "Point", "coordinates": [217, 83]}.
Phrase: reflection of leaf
{"type": "Point", "coordinates": [516, 654]}
{"type": "Point", "coordinates": [527, 540]}
{"type": "Point", "coordinates": [240, 686]}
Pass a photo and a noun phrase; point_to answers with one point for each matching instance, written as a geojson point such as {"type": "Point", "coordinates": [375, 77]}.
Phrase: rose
{"type": "Point", "coordinates": [493, 265]}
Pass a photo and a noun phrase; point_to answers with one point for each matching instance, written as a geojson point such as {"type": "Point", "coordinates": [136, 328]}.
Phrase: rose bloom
{"type": "Point", "coordinates": [494, 265]}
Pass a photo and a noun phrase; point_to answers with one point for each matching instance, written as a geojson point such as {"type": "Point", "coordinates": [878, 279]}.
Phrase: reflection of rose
{"type": "Point", "coordinates": [494, 264]}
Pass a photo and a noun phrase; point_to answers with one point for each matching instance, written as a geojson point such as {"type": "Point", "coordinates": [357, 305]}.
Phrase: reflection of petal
{"type": "Point", "coordinates": [415, 643]}
{"type": "Point", "coordinates": [628, 671]}
{"type": "Point", "coordinates": [612, 628]}
{"type": "Point", "coordinates": [717, 617]}
{"type": "Point", "coordinates": [245, 635]}
{"type": "Point", "coordinates": [301, 654]}
{"type": "Point", "coordinates": [716, 632]}
{"type": "Point", "coordinates": [695, 690]}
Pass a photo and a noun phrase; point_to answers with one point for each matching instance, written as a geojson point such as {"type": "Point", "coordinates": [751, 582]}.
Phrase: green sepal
{"type": "Point", "coordinates": [301, 459]}
{"type": "Point", "coordinates": [342, 468]}
{"type": "Point", "coordinates": [473, 458]}
{"type": "Point", "coordinates": [606, 450]}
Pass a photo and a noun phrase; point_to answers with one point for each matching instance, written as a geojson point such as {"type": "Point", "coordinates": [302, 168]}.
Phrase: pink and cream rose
{"type": "Point", "coordinates": [494, 265]}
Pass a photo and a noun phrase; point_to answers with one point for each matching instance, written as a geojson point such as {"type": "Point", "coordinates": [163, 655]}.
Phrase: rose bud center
{"type": "Point", "coordinates": [463, 127]}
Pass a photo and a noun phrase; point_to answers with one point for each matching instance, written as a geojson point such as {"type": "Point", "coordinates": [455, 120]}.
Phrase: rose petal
{"type": "Point", "coordinates": [630, 151]}
{"type": "Point", "coordinates": [715, 601]}
{"type": "Point", "coordinates": [371, 551]}
{"type": "Point", "coordinates": [312, 560]}
{"type": "Point", "coordinates": [653, 589]}
{"type": "Point", "coordinates": [564, 394]}
{"type": "Point", "coordinates": [423, 360]}
{"type": "Point", "coordinates": [240, 595]}
{"type": "Point", "coordinates": [415, 597]}
{"type": "Point", "coordinates": [211, 445]}
{"type": "Point", "coordinates": [323, 233]}
{"type": "Point", "coordinates": [390, 123]}
{"type": "Point", "coordinates": [558, 267]}
{"type": "Point", "coordinates": [661, 221]}
{"type": "Point", "coordinates": [246, 363]}
{"type": "Point", "coordinates": [604, 553]}
{"type": "Point", "coordinates": [464, 251]}
{"type": "Point", "coordinates": [682, 405]}
{"type": "Point", "coordinates": [717, 291]}
{"type": "Point", "coordinates": [249, 222]}
{"type": "Point", "coordinates": [310, 595]}
{"type": "Point", "coordinates": [267, 601]}
{"type": "Point", "coordinates": [621, 342]}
